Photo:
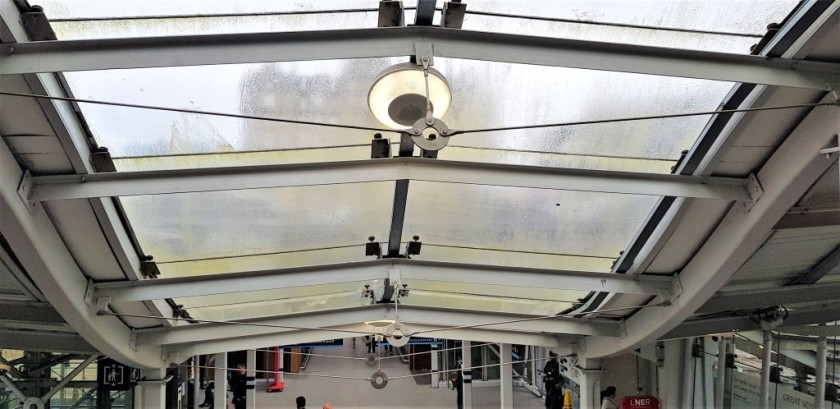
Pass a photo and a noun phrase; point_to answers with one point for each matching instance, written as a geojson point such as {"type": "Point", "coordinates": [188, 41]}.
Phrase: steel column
{"type": "Point", "coordinates": [766, 364]}
{"type": "Point", "coordinates": [466, 373]}
{"type": "Point", "coordinates": [251, 373]}
{"type": "Point", "coordinates": [220, 381]}
{"type": "Point", "coordinates": [506, 376]}
{"type": "Point", "coordinates": [720, 380]}
{"type": "Point", "coordinates": [819, 384]}
{"type": "Point", "coordinates": [196, 378]}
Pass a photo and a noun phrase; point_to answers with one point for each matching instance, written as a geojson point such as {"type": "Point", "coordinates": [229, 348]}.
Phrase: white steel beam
{"type": "Point", "coordinates": [47, 188]}
{"type": "Point", "coordinates": [785, 177]}
{"type": "Point", "coordinates": [41, 250]}
{"type": "Point", "coordinates": [104, 54]}
{"type": "Point", "coordinates": [162, 288]}
{"type": "Point", "coordinates": [414, 317]}
{"type": "Point", "coordinates": [556, 343]}
{"type": "Point", "coordinates": [765, 297]}
{"type": "Point", "coordinates": [795, 318]}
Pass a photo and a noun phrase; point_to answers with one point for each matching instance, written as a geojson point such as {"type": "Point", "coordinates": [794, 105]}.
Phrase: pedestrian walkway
{"type": "Point", "coordinates": [325, 380]}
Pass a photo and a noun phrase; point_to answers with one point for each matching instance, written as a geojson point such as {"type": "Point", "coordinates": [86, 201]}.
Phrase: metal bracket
{"type": "Point", "coordinates": [132, 339]}
{"type": "Point", "coordinates": [676, 287]}
{"type": "Point", "coordinates": [149, 268]}
{"type": "Point", "coordinates": [754, 189]}
{"type": "Point", "coordinates": [452, 15]}
{"type": "Point", "coordinates": [24, 190]}
{"type": "Point", "coordinates": [440, 140]}
{"type": "Point", "coordinates": [424, 54]}
{"type": "Point", "coordinates": [90, 288]}
{"type": "Point", "coordinates": [101, 160]}
{"type": "Point", "coordinates": [102, 303]}
{"type": "Point", "coordinates": [391, 14]}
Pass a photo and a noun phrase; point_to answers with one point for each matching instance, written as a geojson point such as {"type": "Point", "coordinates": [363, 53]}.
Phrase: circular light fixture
{"type": "Point", "coordinates": [398, 95]}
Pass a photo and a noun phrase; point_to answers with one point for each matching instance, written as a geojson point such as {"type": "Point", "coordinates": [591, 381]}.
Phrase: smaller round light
{"type": "Point", "coordinates": [398, 95]}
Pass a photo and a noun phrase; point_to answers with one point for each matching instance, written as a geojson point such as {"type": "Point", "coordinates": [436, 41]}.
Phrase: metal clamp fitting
{"type": "Point", "coordinates": [379, 380]}
{"type": "Point", "coordinates": [436, 144]}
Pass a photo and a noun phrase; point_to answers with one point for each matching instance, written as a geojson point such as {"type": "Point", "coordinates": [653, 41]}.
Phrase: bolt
{"type": "Point", "coordinates": [377, 136]}
{"type": "Point", "coordinates": [84, 179]}
{"type": "Point", "coordinates": [444, 131]}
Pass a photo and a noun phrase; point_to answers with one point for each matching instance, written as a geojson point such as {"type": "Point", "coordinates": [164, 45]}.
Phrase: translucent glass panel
{"type": "Point", "coordinates": [266, 224]}
{"type": "Point", "coordinates": [489, 298]}
{"type": "Point", "coordinates": [745, 19]}
{"type": "Point", "coordinates": [278, 302]}
{"type": "Point", "coordinates": [532, 221]}
{"type": "Point", "coordinates": [335, 92]}
{"type": "Point", "coordinates": [98, 9]}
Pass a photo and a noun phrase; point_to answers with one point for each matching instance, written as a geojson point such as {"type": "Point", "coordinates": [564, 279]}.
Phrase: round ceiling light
{"type": "Point", "coordinates": [398, 95]}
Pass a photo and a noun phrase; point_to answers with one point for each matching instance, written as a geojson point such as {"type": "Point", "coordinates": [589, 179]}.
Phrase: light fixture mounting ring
{"type": "Point", "coordinates": [430, 144]}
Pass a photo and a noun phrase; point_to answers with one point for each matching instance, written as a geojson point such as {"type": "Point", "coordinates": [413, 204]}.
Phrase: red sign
{"type": "Point", "coordinates": [639, 402]}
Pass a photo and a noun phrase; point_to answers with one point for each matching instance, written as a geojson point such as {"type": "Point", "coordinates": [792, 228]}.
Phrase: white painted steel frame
{"type": "Point", "coordinates": [163, 288]}
{"type": "Point", "coordinates": [36, 243]}
{"type": "Point", "coordinates": [206, 338]}
{"type": "Point", "coordinates": [433, 318]}
{"type": "Point", "coordinates": [785, 177]}
{"type": "Point", "coordinates": [116, 184]}
{"type": "Point", "coordinates": [104, 54]}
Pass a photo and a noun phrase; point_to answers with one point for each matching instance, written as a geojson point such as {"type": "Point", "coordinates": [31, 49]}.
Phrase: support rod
{"type": "Point", "coordinates": [11, 384]}
{"type": "Point", "coordinates": [69, 377]}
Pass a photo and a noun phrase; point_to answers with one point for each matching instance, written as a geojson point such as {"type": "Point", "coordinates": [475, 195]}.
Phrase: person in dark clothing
{"type": "Point", "coordinates": [551, 373]}
{"type": "Point", "coordinates": [458, 384]}
{"type": "Point", "coordinates": [239, 385]}
{"type": "Point", "coordinates": [300, 402]}
{"type": "Point", "coordinates": [554, 399]}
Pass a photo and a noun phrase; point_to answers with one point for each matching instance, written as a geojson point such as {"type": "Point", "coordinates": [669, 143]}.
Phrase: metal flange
{"type": "Point", "coordinates": [441, 137]}
{"type": "Point", "coordinates": [379, 380]}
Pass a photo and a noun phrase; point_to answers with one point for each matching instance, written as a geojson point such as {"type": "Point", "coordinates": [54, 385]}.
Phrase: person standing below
{"type": "Point", "coordinates": [551, 372]}
{"type": "Point", "coordinates": [458, 384]}
{"type": "Point", "coordinates": [608, 398]}
{"type": "Point", "coordinates": [554, 400]}
{"type": "Point", "coordinates": [300, 402]}
{"type": "Point", "coordinates": [239, 385]}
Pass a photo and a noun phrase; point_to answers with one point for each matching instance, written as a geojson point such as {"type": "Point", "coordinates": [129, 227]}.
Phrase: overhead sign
{"type": "Point", "coordinates": [640, 402]}
{"type": "Point", "coordinates": [114, 376]}
{"type": "Point", "coordinates": [326, 343]}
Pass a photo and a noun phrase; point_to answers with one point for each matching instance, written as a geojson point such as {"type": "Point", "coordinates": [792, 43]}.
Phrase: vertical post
{"type": "Point", "coordinates": [251, 393]}
{"type": "Point", "coordinates": [435, 366]}
{"type": "Point", "coordinates": [819, 390]}
{"type": "Point", "coordinates": [220, 379]}
{"type": "Point", "coordinates": [153, 392]}
{"type": "Point", "coordinates": [196, 379]}
{"type": "Point", "coordinates": [466, 363]}
{"type": "Point", "coordinates": [720, 383]}
{"type": "Point", "coordinates": [589, 376]}
{"type": "Point", "coordinates": [506, 376]}
{"type": "Point", "coordinates": [765, 369]}
{"type": "Point", "coordinates": [728, 379]}
{"type": "Point", "coordinates": [688, 374]}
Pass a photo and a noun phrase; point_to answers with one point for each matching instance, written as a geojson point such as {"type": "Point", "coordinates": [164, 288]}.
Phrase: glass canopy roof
{"type": "Point", "coordinates": [234, 231]}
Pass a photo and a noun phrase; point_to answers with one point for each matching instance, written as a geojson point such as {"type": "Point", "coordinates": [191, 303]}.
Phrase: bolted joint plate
{"type": "Point", "coordinates": [754, 190]}
{"type": "Point", "coordinates": [24, 190]}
